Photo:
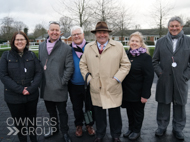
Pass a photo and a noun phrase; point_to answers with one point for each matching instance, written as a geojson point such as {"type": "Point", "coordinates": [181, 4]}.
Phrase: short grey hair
{"type": "Point", "coordinates": [53, 22]}
{"type": "Point", "coordinates": [75, 28]}
{"type": "Point", "coordinates": [176, 18]}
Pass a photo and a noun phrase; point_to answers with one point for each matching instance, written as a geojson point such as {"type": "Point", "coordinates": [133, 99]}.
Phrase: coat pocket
{"type": "Point", "coordinates": [13, 64]}
{"type": "Point", "coordinates": [113, 87]}
{"type": "Point", "coordinates": [95, 85]}
{"type": "Point", "coordinates": [13, 68]}
{"type": "Point", "coordinates": [30, 67]}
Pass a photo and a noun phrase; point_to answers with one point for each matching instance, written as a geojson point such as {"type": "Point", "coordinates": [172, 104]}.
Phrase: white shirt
{"type": "Point", "coordinates": [174, 41]}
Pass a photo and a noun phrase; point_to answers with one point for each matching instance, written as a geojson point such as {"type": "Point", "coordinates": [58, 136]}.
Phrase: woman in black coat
{"type": "Point", "coordinates": [137, 84]}
{"type": "Point", "coordinates": [21, 74]}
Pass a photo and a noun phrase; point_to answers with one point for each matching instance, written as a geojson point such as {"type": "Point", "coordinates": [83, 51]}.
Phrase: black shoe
{"type": "Point", "coordinates": [50, 133]}
{"type": "Point", "coordinates": [160, 132]}
{"type": "Point", "coordinates": [116, 140]}
{"type": "Point", "coordinates": [33, 138]}
{"type": "Point", "coordinates": [127, 134]}
{"type": "Point", "coordinates": [98, 139]}
{"type": "Point", "coordinates": [178, 135]}
{"type": "Point", "coordinates": [66, 137]}
{"type": "Point", "coordinates": [134, 136]}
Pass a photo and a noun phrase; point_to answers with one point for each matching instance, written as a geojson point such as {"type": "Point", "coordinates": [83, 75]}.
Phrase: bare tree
{"type": "Point", "coordinates": [160, 13]}
{"type": "Point", "coordinates": [187, 23]}
{"type": "Point", "coordinates": [78, 10]}
{"type": "Point", "coordinates": [7, 28]}
{"type": "Point", "coordinates": [39, 30]}
{"type": "Point", "coordinates": [106, 10]}
{"type": "Point", "coordinates": [123, 21]}
{"type": "Point", "coordinates": [19, 26]}
{"type": "Point", "coordinates": [65, 23]}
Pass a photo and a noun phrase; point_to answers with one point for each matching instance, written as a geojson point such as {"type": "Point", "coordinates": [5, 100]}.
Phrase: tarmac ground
{"type": "Point", "coordinates": [147, 131]}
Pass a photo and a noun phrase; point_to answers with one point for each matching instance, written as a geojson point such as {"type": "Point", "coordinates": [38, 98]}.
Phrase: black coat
{"type": "Point", "coordinates": [138, 82]}
{"type": "Point", "coordinates": [18, 72]}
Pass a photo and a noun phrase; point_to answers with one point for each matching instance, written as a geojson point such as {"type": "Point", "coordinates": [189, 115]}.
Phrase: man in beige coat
{"type": "Point", "coordinates": [108, 64]}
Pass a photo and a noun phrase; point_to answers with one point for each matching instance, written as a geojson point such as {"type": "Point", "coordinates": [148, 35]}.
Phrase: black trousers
{"type": "Point", "coordinates": [135, 113]}
{"type": "Point", "coordinates": [114, 120]}
{"type": "Point", "coordinates": [77, 96]}
{"type": "Point", "coordinates": [52, 108]}
{"type": "Point", "coordinates": [24, 111]}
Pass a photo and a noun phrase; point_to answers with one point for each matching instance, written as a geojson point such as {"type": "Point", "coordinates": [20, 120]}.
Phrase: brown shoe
{"type": "Point", "coordinates": [78, 132]}
{"type": "Point", "coordinates": [90, 130]}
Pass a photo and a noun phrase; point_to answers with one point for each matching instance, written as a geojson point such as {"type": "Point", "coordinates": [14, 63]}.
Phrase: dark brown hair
{"type": "Point", "coordinates": [13, 47]}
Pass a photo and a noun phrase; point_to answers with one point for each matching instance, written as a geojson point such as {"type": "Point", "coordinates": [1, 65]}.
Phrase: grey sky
{"type": "Point", "coordinates": [32, 12]}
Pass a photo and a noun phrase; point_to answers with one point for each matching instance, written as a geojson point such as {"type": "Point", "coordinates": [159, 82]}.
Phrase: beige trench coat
{"type": "Point", "coordinates": [105, 91]}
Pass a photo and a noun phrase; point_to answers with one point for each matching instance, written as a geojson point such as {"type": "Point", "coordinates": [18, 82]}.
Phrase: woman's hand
{"type": "Point", "coordinates": [143, 100]}
{"type": "Point", "coordinates": [25, 92]}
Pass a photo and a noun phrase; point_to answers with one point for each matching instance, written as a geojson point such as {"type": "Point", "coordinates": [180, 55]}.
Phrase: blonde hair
{"type": "Point", "coordinates": [139, 34]}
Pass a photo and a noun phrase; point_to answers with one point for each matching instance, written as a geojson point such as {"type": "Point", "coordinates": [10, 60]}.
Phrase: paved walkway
{"type": "Point", "coordinates": [147, 133]}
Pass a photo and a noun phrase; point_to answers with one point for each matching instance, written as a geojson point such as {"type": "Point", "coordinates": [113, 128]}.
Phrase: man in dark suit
{"type": "Point", "coordinates": [171, 61]}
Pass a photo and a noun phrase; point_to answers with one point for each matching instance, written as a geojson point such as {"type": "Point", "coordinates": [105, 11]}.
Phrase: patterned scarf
{"type": "Point", "coordinates": [137, 52]}
{"type": "Point", "coordinates": [79, 52]}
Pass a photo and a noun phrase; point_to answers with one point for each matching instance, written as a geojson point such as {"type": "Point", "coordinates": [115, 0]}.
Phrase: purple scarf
{"type": "Point", "coordinates": [80, 46]}
{"type": "Point", "coordinates": [50, 45]}
{"type": "Point", "coordinates": [137, 52]}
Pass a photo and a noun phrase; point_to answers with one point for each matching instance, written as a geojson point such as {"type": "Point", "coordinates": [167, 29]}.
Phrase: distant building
{"type": "Point", "coordinates": [64, 37]}
{"type": "Point", "coordinates": [150, 35]}
{"type": "Point", "coordinates": [41, 38]}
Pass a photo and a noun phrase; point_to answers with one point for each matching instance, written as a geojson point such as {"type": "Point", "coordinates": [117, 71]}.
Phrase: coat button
{"type": "Point", "coordinates": [5, 89]}
{"type": "Point", "coordinates": [96, 55]}
{"type": "Point", "coordinates": [26, 59]}
{"type": "Point", "coordinates": [100, 87]}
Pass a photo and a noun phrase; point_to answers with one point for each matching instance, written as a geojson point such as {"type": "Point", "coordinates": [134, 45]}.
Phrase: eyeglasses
{"type": "Point", "coordinates": [54, 22]}
{"type": "Point", "coordinates": [20, 40]}
{"type": "Point", "coordinates": [76, 34]}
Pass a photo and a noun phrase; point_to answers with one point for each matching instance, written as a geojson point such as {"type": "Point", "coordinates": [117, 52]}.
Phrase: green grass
{"type": "Point", "coordinates": [151, 51]}
{"type": "Point", "coordinates": [36, 52]}
{"type": "Point", "coordinates": [4, 46]}
{"type": "Point", "coordinates": [2, 50]}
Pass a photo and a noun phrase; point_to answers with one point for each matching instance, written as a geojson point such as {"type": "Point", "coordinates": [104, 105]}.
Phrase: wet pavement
{"type": "Point", "coordinates": [147, 131]}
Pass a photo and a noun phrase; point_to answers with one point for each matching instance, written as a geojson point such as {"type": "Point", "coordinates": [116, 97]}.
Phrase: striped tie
{"type": "Point", "coordinates": [102, 46]}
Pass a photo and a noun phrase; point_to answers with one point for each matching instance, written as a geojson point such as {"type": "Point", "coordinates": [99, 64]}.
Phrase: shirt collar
{"type": "Point", "coordinates": [100, 44]}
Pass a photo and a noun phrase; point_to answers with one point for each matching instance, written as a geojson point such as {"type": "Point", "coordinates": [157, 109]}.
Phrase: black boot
{"type": "Point", "coordinates": [53, 131]}
{"type": "Point", "coordinates": [66, 137]}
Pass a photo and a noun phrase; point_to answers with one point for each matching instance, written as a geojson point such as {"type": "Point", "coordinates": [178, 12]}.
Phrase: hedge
{"type": "Point", "coordinates": [2, 50]}
{"type": "Point", "coordinates": [151, 51]}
